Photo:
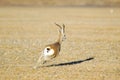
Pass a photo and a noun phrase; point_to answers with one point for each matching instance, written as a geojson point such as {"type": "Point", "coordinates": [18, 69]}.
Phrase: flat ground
{"type": "Point", "coordinates": [90, 52]}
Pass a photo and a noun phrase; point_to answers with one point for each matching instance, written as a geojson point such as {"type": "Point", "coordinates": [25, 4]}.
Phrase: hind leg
{"type": "Point", "coordinates": [39, 62]}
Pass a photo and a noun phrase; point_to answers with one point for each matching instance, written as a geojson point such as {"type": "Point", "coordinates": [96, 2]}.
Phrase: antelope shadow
{"type": "Point", "coordinates": [71, 63]}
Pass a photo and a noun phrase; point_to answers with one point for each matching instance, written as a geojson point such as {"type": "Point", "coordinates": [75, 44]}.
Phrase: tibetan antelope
{"type": "Point", "coordinates": [52, 50]}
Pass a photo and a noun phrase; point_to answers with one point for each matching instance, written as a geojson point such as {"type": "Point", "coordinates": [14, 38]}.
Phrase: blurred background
{"type": "Point", "coordinates": [92, 30]}
{"type": "Point", "coordinates": [60, 3]}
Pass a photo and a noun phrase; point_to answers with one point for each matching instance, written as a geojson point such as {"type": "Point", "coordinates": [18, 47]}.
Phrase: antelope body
{"type": "Point", "coordinates": [52, 50]}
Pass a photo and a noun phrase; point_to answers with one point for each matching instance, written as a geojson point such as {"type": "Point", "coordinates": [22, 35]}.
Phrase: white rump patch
{"type": "Point", "coordinates": [48, 51]}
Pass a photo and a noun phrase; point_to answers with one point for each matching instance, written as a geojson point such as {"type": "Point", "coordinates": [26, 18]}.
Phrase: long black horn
{"type": "Point", "coordinates": [58, 25]}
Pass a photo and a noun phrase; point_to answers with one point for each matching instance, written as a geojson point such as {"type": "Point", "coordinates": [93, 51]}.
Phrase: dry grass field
{"type": "Point", "coordinates": [60, 2]}
{"type": "Point", "coordinates": [90, 52]}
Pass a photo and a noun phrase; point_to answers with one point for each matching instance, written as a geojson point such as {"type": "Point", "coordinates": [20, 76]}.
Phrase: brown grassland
{"type": "Point", "coordinates": [60, 2]}
{"type": "Point", "coordinates": [90, 52]}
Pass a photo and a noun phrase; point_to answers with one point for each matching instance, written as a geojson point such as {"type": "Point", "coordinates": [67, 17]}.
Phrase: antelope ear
{"type": "Point", "coordinates": [63, 28]}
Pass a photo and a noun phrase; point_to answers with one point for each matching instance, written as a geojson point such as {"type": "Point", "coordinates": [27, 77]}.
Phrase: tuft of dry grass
{"type": "Point", "coordinates": [91, 50]}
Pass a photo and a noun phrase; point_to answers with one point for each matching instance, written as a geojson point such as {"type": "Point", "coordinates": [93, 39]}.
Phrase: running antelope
{"type": "Point", "coordinates": [52, 50]}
